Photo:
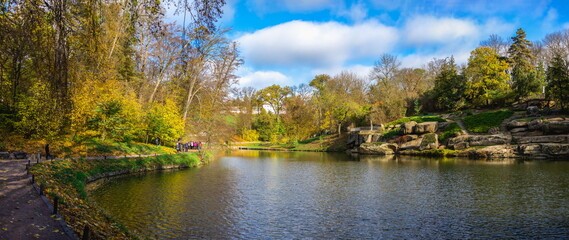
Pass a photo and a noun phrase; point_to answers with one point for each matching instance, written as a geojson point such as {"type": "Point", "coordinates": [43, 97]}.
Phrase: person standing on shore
{"type": "Point", "coordinates": [47, 155]}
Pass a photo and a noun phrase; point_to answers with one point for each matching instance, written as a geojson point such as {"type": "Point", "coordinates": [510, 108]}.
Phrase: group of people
{"type": "Point", "coordinates": [184, 147]}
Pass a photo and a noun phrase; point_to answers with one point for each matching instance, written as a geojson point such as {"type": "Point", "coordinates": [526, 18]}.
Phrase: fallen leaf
{"type": "Point", "coordinates": [5, 229]}
{"type": "Point", "coordinates": [56, 230]}
{"type": "Point", "coordinates": [57, 219]}
{"type": "Point", "coordinates": [36, 235]}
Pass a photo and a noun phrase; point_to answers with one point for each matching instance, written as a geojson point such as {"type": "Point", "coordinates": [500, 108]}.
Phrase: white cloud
{"type": "Point", "coordinates": [261, 79]}
{"type": "Point", "coordinates": [356, 13]}
{"type": "Point", "coordinates": [310, 44]}
{"type": "Point", "coordinates": [428, 29]}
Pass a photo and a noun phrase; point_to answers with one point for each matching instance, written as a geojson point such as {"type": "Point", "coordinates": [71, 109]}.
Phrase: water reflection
{"type": "Point", "coordinates": [251, 194]}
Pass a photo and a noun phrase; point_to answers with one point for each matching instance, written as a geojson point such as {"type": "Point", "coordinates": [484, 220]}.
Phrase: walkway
{"type": "Point", "coordinates": [23, 214]}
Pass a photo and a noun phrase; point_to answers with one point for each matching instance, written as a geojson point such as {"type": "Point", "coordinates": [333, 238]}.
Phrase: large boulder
{"type": "Point", "coordinates": [4, 155]}
{"type": "Point", "coordinates": [378, 148]}
{"type": "Point", "coordinates": [478, 140]}
{"type": "Point", "coordinates": [408, 127]}
{"type": "Point", "coordinates": [426, 127]}
{"type": "Point", "coordinates": [429, 141]}
{"type": "Point", "coordinates": [557, 127]}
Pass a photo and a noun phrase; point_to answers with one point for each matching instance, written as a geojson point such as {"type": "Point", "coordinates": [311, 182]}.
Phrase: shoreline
{"type": "Point", "coordinates": [68, 181]}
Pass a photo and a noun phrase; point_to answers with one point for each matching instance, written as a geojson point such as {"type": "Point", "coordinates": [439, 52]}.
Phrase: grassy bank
{"type": "Point", "coordinates": [66, 146]}
{"type": "Point", "coordinates": [324, 143]}
{"type": "Point", "coordinates": [66, 180]}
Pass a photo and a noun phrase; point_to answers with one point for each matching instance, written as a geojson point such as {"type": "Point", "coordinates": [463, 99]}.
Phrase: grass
{"type": "Point", "coordinates": [450, 131]}
{"type": "Point", "coordinates": [324, 143]}
{"type": "Point", "coordinates": [66, 180]}
{"type": "Point", "coordinates": [391, 133]}
{"type": "Point", "coordinates": [482, 122]}
{"type": "Point", "coordinates": [418, 119]}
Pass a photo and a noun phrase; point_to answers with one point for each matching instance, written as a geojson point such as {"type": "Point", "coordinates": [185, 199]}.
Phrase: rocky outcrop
{"type": "Point", "coordinates": [378, 148]}
{"type": "Point", "coordinates": [408, 127]}
{"type": "Point", "coordinates": [543, 139]}
{"type": "Point", "coordinates": [466, 141]}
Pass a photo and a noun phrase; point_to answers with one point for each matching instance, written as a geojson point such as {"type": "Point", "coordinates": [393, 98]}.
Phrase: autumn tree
{"type": "Point", "coordinates": [274, 96]}
{"type": "Point", "coordinates": [386, 91]}
{"type": "Point", "coordinates": [525, 78]}
{"type": "Point", "coordinates": [487, 78]}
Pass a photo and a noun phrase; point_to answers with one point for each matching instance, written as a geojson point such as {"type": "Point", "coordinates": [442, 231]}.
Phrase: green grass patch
{"type": "Point", "coordinates": [482, 122]}
{"type": "Point", "coordinates": [121, 148]}
{"type": "Point", "coordinates": [418, 119]}
{"type": "Point", "coordinates": [307, 141]}
{"type": "Point", "coordinates": [391, 133]}
{"type": "Point", "coordinates": [450, 131]}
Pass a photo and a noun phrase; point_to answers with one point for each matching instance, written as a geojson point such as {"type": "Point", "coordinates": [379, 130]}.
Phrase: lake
{"type": "Point", "coordinates": [254, 194]}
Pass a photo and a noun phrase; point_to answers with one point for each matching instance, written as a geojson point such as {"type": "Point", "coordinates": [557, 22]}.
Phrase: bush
{"type": "Point", "coordinates": [482, 122]}
{"type": "Point", "coordinates": [250, 135]}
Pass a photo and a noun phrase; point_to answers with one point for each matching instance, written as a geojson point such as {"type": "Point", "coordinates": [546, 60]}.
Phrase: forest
{"type": "Point", "coordinates": [77, 71]}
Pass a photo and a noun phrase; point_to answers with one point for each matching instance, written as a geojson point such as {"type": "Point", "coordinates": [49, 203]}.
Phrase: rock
{"type": "Point", "coordinates": [498, 151]}
{"type": "Point", "coordinates": [426, 127]}
{"type": "Point", "coordinates": [4, 155]}
{"type": "Point", "coordinates": [517, 130]}
{"type": "Point", "coordinates": [528, 134]}
{"type": "Point", "coordinates": [544, 139]}
{"type": "Point", "coordinates": [517, 124]}
{"type": "Point", "coordinates": [378, 148]}
{"type": "Point", "coordinates": [429, 141]}
{"type": "Point", "coordinates": [555, 150]}
{"type": "Point", "coordinates": [557, 127]}
{"type": "Point", "coordinates": [532, 111]}
{"type": "Point", "coordinates": [480, 140]}
{"type": "Point", "coordinates": [407, 128]}
{"type": "Point", "coordinates": [529, 149]}
{"type": "Point", "coordinates": [413, 144]}
{"type": "Point", "coordinates": [460, 146]}
{"type": "Point", "coordinates": [536, 124]}
{"type": "Point", "coordinates": [494, 130]}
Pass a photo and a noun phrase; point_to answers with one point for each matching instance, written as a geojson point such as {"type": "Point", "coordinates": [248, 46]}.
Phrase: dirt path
{"type": "Point", "coordinates": [23, 214]}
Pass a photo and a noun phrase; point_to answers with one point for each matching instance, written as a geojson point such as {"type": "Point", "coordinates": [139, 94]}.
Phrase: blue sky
{"type": "Point", "coordinates": [288, 42]}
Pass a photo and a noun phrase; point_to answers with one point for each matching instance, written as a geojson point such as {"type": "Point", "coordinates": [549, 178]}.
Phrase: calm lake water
{"type": "Point", "coordinates": [252, 195]}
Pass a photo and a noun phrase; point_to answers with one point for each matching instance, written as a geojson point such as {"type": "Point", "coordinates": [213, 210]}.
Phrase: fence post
{"type": "Point", "coordinates": [55, 203]}
{"type": "Point", "coordinates": [33, 179]}
{"type": "Point", "coordinates": [41, 189]}
{"type": "Point", "coordinates": [86, 233]}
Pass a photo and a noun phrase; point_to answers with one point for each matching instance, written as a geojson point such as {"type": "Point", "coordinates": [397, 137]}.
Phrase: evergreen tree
{"type": "Point", "coordinates": [525, 77]}
{"type": "Point", "coordinates": [449, 87]}
{"type": "Point", "coordinates": [558, 81]}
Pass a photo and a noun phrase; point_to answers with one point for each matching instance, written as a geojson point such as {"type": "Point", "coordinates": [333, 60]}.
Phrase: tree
{"type": "Point", "coordinates": [496, 43]}
{"type": "Point", "coordinates": [386, 91]}
{"type": "Point", "coordinates": [558, 81]}
{"type": "Point", "coordinates": [448, 92]}
{"type": "Point", "coordinates": [274, 96]}
{"type": "Point", "coordinates": [525, 79]}
{"type": "Point", "coordinates": [487, 78]}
